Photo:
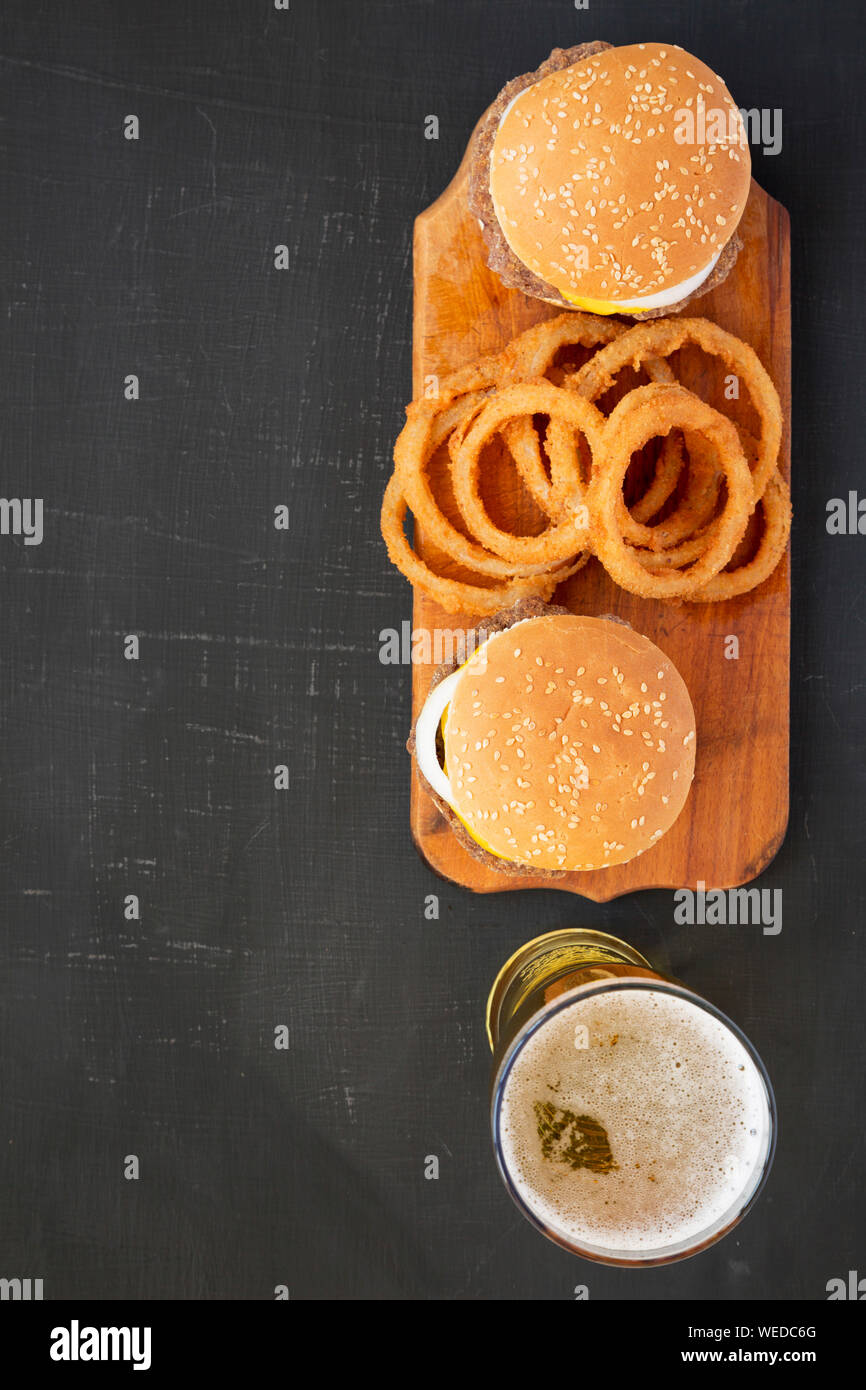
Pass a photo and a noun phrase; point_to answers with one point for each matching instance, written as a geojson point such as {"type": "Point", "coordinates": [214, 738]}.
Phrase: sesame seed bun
{"type": "Point", "coordinates": [569, 744]}
{"type": "Point", "coordinates": [616, 179]}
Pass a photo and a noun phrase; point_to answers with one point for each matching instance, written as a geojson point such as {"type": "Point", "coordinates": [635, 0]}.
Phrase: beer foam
{"type": "Point", "coordinates": [684, 1106]}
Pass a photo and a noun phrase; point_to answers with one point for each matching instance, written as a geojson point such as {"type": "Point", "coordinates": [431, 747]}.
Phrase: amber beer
{"type": "Point", "coordinates": [633, 1123]}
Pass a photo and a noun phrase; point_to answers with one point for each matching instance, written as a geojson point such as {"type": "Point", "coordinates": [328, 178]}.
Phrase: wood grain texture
{"type": "Point", "coordinates": [736, 816]}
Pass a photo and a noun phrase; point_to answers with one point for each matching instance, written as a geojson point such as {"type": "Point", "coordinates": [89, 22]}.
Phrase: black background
{"type": "Point", "coordinates": [259, 647]}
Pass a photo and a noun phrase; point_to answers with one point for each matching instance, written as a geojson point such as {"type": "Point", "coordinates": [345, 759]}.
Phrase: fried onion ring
{"type": "Point", "coordinates": [776, 508]}
{"type": "Point", "coordinates": [562, 538]}
{"type": "Point", "coordinates": [669, 466]}
{"type": "Point", "coordinates": [575, 469]}
{"type": "Point", "coordinates": [453, 594]}
{"type": "Point", "coordinates": [528, 358]}
{"type": "Point", "coordinates": [699, 502]}
{"type": "Point", "coordinates": [532, 356]}
{"type": "Point", "coordinates": [637, 418]}
{"type": "Point", "coordinates": [660, 338]}
{"type": "Point", "coordinates": [694, 509]}
{"type": "Point", "coordinates": [425, 430]}
{"type": "Point", "coordinates": [694, 545]}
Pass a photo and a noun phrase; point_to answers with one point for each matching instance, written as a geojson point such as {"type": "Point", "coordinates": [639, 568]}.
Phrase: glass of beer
{"type": "Point", "coordinates": [633, 1123]}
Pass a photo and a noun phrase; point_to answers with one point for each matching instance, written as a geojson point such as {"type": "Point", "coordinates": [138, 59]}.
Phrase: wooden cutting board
{"type": "Point", "coordinates": [736, 815]}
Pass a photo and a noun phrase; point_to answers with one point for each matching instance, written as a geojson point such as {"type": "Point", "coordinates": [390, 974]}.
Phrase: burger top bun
{"type": "Point", "coordinates": [618, 180]}
{"type": "Point", "coordinates": [569, 743]}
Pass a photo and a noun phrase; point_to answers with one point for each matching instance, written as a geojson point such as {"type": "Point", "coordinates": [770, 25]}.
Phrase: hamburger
{"type": "Point", "coordinates": [612, 179]}
{"type": "Point", "coordinates": [563, 743]}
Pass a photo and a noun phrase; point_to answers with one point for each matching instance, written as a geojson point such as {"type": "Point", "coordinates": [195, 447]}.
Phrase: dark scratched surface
{"type": "Point", "coordinates": [303, 907]}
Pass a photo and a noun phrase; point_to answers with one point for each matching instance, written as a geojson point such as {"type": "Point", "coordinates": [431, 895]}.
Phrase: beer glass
{"type": "Point", "coordinates": [633, 1123]}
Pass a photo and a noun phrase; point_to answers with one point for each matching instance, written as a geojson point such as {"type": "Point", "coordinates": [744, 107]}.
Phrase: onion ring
{"type": "Point", "coordinates": [528, 358]}
{"type": "Point", "coordinates": [531, 356]}
{"type": "Point", "coordinates": [524, 447]}
{"type": "Point", "coordinates": [636, 418]}
{"type": "Point", "coordinates": [776, 507]}
{"type": "Point", "coordinates": [660, 338]}
{"type": "Point", "coordinates": [425, 430]}
{"type": "Point", "coordinates": [579, 484]}
{"type": "Point", "coordinates": [688, 550]}
{"type": "Point", "coordinates": [699, 502]}
{"type": "Point", "coordinates": [563, 537]}
{"type": "Point", "coordinates": [452, 594]}
{"type": "Point", "coordinates": [693, 510]}
{"type": "Point", "coordinates": [669, 467]}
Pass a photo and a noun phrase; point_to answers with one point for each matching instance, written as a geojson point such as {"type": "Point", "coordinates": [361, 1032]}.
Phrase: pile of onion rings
{"type": "Point", "coordinates": [675, 540]}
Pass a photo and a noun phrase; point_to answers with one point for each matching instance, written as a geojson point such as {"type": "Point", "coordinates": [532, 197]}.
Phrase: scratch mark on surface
{"type": "Point", "coordinates": [98, 79]}
{"type": "Point", "coordinates": [218, 639]}
{"type": "Point", "coordinates": [207, 118]}
{"type": "Point", "coordinates": [258, 830]}
{"type": "Point", "coordinates": [234, 734]}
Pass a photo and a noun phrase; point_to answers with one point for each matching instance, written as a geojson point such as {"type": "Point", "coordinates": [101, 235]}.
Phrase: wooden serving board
{"type": "Point", "coordinates": [736, 815]}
